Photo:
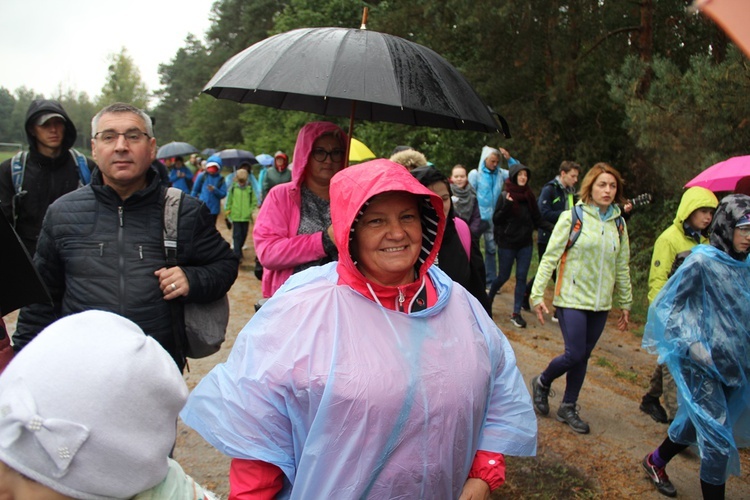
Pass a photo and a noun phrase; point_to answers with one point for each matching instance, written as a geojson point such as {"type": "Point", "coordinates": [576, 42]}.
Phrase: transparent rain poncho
{"type": "Point", "coordinates": [699, 324]}
{"type": "Point", "coordinates": [352, 400]}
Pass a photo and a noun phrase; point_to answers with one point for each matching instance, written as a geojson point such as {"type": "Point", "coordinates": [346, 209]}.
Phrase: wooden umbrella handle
{"type": "Point", "coordinates": [364, 18]}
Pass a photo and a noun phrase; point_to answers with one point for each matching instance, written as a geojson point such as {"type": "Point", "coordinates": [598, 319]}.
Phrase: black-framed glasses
{"type": "Point", "coordinates": [131, 136]}
{"type": "Point", "coordinates": [321, 154]}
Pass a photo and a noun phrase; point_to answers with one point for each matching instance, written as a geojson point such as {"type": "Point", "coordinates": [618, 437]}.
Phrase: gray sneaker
{"type": "Point", "coordinates": [541, 396]}
{"type": "Point", "coordinates": [568, 413]}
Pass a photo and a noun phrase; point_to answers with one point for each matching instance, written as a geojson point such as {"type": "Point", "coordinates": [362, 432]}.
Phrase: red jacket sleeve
{"type": "Point", "coordinates": [489, 467]}
{"type": "Point", "coordinates": [254, 480]}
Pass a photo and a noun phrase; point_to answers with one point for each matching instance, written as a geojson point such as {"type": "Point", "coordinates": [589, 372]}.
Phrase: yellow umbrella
{"type": "Point", "coordinates": [359, 152]}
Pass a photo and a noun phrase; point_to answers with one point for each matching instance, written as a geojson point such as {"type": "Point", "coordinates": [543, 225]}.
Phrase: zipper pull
{"type": "Point", "coordinates": [101, 249]}
{"type": "Point", "coordinates": [401, 300]}
{"type": "Point", "coordinates": [140, 251]}
{"type": "Point", "coordinates": [119, 214]}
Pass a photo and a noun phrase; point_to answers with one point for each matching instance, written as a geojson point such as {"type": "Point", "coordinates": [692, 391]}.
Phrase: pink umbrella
{"type": "Point", "coordinates": [724, 175]}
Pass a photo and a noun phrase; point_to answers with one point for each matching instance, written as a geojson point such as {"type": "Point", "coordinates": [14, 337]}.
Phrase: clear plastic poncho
{"type": "Point", "coordinates": [699, 324]}
{"type": "Point", "coordinates": [353, 400]}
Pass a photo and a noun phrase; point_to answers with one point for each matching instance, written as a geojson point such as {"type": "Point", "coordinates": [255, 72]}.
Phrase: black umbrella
{"type": "Point", "coordinates": [357, 73]}
{"type": "Point", "coordinates": [22, 285]}
{"type": "Point", "coordinates": [208, 152]}
{"type": "Point", "coordinates": [172, 149]}
{"type": "Point", "coordinates": [233, 157]}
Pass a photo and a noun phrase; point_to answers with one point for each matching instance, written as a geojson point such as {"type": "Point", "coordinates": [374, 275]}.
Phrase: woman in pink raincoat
{"type": "Point", "coordinates": [291, 232]}
{"type": "Point", "coordinates": [371, 377]}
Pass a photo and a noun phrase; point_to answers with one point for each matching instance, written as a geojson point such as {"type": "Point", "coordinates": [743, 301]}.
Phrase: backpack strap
{"type": "Point", "coordinates": [464, 234]}
{"type": "Point", "coordinates": [172, 203]}
{"type": "Point", "coordinates": [576, 224]}
{"type": "Point", "coordinates": [84, 173]}
{"type": "Point", "coordinates": [17, 168]}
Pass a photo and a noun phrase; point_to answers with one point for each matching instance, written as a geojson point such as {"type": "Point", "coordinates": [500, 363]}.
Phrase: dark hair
{"type": "Point", "coordinates": [458, 165]}
{"type": "Point", "coordinates": [567, 165]}
{"type": "Point", "coordinates": [427, 176]}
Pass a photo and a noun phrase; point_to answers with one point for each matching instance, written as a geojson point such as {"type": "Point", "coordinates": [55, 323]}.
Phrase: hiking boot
{"type": "Point", "coordinates": [518, 320]}
{"type": "Point", "coordinates": [568, 413]}
{"type": "Point", "coordinates": [651, 407]}
{"type": "Point", "coordinates": [659, 477]}
{"type": "Point", "coordinates": [541, 396]}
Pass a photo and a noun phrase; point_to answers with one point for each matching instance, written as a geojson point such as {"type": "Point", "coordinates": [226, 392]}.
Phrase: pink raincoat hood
{"type": "Point", "coordinates": [305, 140]}
{"type": "Point", "coordinates": [354, 186]}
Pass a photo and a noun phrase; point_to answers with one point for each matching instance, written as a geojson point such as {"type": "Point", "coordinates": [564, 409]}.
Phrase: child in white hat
{"type": "Point", "coordinates": [88, 410]}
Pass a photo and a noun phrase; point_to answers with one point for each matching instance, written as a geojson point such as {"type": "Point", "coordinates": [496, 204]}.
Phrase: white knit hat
{"type": "Point", "coordinates": [89, 408]}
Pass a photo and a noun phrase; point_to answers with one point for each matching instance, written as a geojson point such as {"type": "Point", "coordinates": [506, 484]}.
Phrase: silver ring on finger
{"type": "Point", "coordinates": [174, 287]}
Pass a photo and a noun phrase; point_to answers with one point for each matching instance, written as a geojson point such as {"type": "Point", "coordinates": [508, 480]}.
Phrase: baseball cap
{"type": "Point", "coordinates": [46, 117]}
{"type": "Point", "coordinates": [743, 221]}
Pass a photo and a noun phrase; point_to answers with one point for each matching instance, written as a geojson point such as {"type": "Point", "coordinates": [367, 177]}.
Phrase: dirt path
{"type": "Point", "coordinates": [617, 377]}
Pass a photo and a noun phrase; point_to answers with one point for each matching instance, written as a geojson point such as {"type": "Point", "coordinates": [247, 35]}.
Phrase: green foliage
{"type": "Point", "coordinates": [212, 123]}
{"type": "Point", "coordinates": [686, 121]}
{"type": "Point", "coordinates": [123, 83]}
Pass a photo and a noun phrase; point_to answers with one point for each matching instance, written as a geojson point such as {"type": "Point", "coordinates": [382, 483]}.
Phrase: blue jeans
{"type": "Point", "coordinates": [490, 250]}
{"type": "Point", "coordinates": [239, 235]}
{"type": "Point", "coordinates": [581, 331]}
{"type": "Point", "coordinates": [522, 258]}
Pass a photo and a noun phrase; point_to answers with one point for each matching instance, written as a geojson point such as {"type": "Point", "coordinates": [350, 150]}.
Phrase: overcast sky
{"type": "Point", "coordinates": [45, 44]}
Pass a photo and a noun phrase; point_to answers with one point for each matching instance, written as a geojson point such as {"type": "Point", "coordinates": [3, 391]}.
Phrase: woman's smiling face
{"type": "Point", "coordinates": [388, 238]}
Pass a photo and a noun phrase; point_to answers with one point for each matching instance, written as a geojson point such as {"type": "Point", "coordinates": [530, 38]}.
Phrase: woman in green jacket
{"type": "Point", "coordinates": [593, 275]}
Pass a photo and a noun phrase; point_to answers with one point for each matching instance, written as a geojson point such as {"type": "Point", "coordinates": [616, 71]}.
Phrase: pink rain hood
{"type": "Point", "coordinates": [350, 189]}
{"type": "Point", "coordinates": [354, 400]}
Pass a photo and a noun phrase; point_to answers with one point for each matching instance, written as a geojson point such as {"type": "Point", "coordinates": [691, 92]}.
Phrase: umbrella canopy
{"type": "Point", "coordinates": [264, 159]}
{"type": "Point", "coordinates": [234, 157]}
{"type": "Point", "coordinates": [733, 16]}
{"type": "Point", "coordinates": [354, 73]}
{"type": "Point", "coordinates": [23, 285]}
{"type": "Point", "coordinates": [208, 152]}
{"type": "Point", "coordinates": [359, 152]}
{"type": "Point", "coordinates": [172, 149]}
{"type": "Point", "coordinates": [724, 175]}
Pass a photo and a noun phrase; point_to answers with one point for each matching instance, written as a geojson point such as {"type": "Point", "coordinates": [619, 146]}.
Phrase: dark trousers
{"type": "Point", "coordinates": [581, 331]}
{"type": "Point", "coordinates": [239, 235]}
{"type": "Point", "coordinates": [540, 248]}
{"type": "Point", "coordinates": [507, 256]}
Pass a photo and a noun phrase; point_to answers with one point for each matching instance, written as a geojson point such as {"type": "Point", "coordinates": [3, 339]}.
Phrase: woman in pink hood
{"type": "Point", "coordinates": [372, 377]}
{"type": "Point", "coordinates": [292, 230]}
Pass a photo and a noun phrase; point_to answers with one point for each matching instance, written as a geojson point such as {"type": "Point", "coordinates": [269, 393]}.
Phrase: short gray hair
{"type": "Point", "coordinates": [121, 107]}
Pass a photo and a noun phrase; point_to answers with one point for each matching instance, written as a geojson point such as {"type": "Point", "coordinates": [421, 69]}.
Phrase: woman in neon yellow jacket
{"type": "Point", "coordinates": [593, 275]}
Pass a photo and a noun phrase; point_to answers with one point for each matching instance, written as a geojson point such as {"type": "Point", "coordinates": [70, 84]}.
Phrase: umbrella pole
{"type": "Point", "coordinates": [351, 134]}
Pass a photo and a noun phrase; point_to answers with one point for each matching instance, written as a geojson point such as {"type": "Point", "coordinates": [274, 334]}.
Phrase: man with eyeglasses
{"type": "Point", "coordinates": [293, 228]}
{"type": "Point", "coordinates": [101, 247]}
{"type": "Point", "coordinates": [32, 180]}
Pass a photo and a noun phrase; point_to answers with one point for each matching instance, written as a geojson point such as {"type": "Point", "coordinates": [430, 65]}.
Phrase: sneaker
{"type": "Point", "coordinates": [541, 396]}
{"type": "Point", "coordinates": [554, 317]}
{"type": "Point", "coordinates": [651, 407]}
{"type": "Point", "coordinates": [568, 413]}
{"type": "Point", "coordinates": [518, 320]}
{"type": "Point", "coordinates": [659, 477]}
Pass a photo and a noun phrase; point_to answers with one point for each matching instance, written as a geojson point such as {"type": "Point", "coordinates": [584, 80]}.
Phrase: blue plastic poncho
{"type": "Point", "coordinates": [699, 324]}
{"type": "Point", "coordinates": [353, 400]}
